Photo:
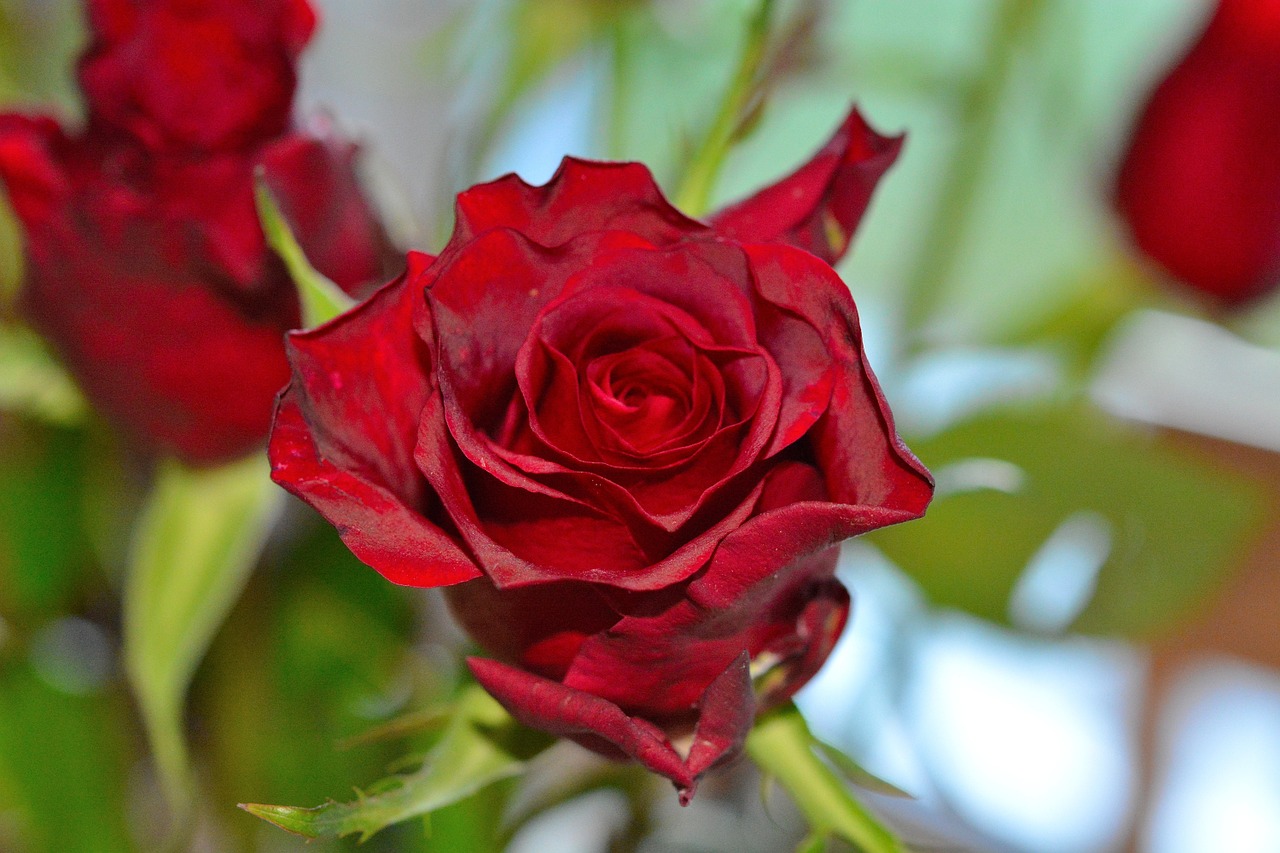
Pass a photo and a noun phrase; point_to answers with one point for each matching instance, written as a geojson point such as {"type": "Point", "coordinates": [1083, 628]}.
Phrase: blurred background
{"type": "Point", "coordinates": [1076, 651]}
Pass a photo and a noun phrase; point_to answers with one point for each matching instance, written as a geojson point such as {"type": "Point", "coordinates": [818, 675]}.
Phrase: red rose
{"type": "Point", "coordinates": [194, 74]}
{"type": "Point", "coordinates": [146, 265]}
{"type": "Point", "coordinates": [1199, 186]}
{"type": "Point", "coordinates": [628, 442]}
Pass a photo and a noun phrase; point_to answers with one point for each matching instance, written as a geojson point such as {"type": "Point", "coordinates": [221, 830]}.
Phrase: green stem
{"type": "Point", "coordinates": [694, 193]}
{"type": "Point", "coordinates": [945, 233]}
{"type": "Point", "coordinates": [619, 87]}
{"type": "Point", "coordinates": [781, 745]}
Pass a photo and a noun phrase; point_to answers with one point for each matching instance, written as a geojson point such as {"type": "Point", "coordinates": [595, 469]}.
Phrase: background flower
{"type": "Point", "coordinates": [1198, 186]}
{"type": "Point", "coordinates": [146, 266]}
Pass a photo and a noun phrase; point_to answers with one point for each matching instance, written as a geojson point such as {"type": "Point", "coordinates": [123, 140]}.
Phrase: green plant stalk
{"type": "Point", "coordinates": [944, 235]}
{"type": "Point", "coordinates": [694, 194]}
{"type": "Point", "coordinates": [781, 745]}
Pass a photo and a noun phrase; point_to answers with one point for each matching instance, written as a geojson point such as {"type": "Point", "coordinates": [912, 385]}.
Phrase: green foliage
{"type": "Point", "coordinates": [1176, 523]}
{"type": "Point", "coordinates": [480, 746]}
{"type": "Point", "coordinates": [63, 766]}
{"type": "Point", "coordinates": [321, 299]}
{"type": "Point", "coordinates": [198, 536]}
{"type": "Point", "coordinates": [32, 382]}
{"type": "Point", "coordinates": [43, 548]}
{"type": "Point", "coordinates": [783, 747]}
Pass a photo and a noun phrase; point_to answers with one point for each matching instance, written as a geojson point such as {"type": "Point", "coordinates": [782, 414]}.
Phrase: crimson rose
{"type": "Point", "coordinates": [146, 266]}
{"type": "Point", "coordinates": [626, 440]}
{"type": "Point", "coordinates": [1199, 186]}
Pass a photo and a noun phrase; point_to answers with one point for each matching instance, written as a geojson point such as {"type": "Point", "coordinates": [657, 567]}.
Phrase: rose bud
{"type": "Point", "coordinates": [628, 442]}
{"type": "Point", "coordinates": [1199, 185]}
{"type": "Point", "coordinates": [145, 264]}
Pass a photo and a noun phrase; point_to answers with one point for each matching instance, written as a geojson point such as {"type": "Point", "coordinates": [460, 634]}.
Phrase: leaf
{"type": "Point", "coordinates": [813, 843]}
{"type": "Point", "coordinates": [321, 299]}
{"type": "Point", "coordinates": [782, 745]}
{"type": "Point", "coordinates": [33, 383]}
{"type": "Point", "coordinates": [1175, 522]}
{"type": "Point", "coordinates": [199, 534]}
{"type": "Point", "coordinates": [857, 775]}
{"type": "Point", "coordinates": [481, 745]}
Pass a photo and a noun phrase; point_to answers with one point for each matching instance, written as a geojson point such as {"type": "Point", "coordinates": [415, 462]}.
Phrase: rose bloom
{"type": "Point", "coordinates": [145, 263]}
{"type": "Point", "coordinates": [627, 441]}
{"type": "Point", "coordinates": [1199, 185]}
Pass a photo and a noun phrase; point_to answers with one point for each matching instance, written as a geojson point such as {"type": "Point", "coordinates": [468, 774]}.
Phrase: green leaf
{"type": "Point", "coordinates": [481, 745]}
{"type": "Point", "coordinates": [782, 746]}
{"type": "Point", "coordinates": [321, 299]}
{"type": "Point", "coordinates": [199, 534]}
{"type": "Point", "coordinates": [33, 383]}
{"type": "Point", "coordinates": [1175, 522]}
{"type": "Point", "coordinates": [813, 843]}
{"type": "Point", "coordinates": [857, 775]}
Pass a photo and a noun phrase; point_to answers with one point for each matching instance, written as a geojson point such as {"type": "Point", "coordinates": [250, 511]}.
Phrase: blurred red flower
{"type": "Point", "coordinates": [629, 443]}
{"type": "Point", "coordinates": [1199, 185]}
{"type": "Point", "coordinates": [146, 266]}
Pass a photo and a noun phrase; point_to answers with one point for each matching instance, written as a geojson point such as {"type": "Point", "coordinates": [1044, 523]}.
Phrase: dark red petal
{"type": "Point", "coordinates": [725, 714]}
{"type": "Point", "coordinates": [865, 463]}
{"type": "Point", "coordinates": [551, 707]}
{"type": "Point", "coordinates": [538, 627]}
{"type": "Point", "coordinates": [346, 430]}
{"type": "Point", "coordinates": [314, 181]}
{"type": "Point", "coordinates": [582, 197]}
{"type": "Point", "coordinates": [818, 207]}
{"type": "Point", "coordinates": [375, 523]}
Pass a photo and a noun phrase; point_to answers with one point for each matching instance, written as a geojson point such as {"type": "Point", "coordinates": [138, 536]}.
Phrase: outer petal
{"type": "Point", "coordinates": [818, 207]}
{"type": "Point", "coordinates": [314, 180]}
{"type": "Point", "coordinates": [726, 712]}
{"type": "Point", "coordinates": [760, 594]}
{"type": "Point", "coordinates": [345, 433]}
{"type": "Point", "coordinates": [583, 196]}
{"type": "Point", "coordinates": [865, 463]}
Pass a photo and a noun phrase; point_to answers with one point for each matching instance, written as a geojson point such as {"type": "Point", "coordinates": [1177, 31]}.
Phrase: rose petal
{"type": "Point", "coordinates": [582, 197]}
{"type": "Point", "coordinates": [346, 429]}
{"type": "Point", "coordinates": [314, 182]}
{"type": "Point", "coordinates": [864, 461]}
{"type": "Point", "coordinates": [724, 716]}
{"type": "Point", "coordinates": [819, 206]}
{"type": "Point", "coordinates": [594, 722]}
{"type": "Point", "coordinates": [538, 627]}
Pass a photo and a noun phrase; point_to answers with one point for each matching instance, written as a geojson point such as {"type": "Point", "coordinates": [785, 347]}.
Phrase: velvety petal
{"type": "Point", "coordinates": [539, 628]}
{"type": "Point", "coordinates": [594, 722]}
{"type": "Point", "coordinates": [725, 714]}
{"type": "Point", "coordinates": [659, 662]}
{"type": "Point", "coordinates": [818, 207]}
{"type": "Point", "coordinates": [583, 196]}
{"type": "Point", "coordinates": [346, 429]}
{"type": "Point", "coordinates": [1199, 183]}
{"type": "Point", "coordinates": [315, 183]}
{"type": "Point", "coordinates": [375, 523]}
{"type": "Point", "coordinates": [865, 463]}
{"type": "Point", "coordinates": [484, 299]}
